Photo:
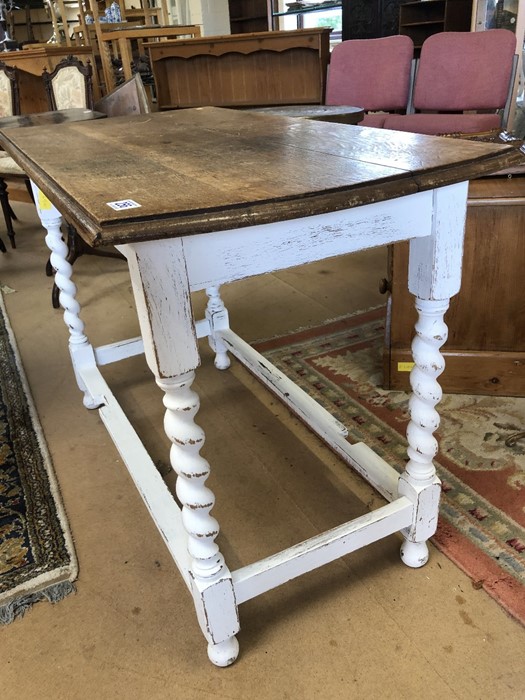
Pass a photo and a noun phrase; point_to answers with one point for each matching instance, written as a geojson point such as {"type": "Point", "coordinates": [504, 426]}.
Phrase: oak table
{"type": "Point", "coordinates": [234, 194]}
{"type": "Point", "coordinates": [57, 116]}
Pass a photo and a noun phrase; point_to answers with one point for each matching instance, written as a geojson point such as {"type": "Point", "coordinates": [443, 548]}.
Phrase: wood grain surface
{"type": "Point", "coordinates": [210, 169]}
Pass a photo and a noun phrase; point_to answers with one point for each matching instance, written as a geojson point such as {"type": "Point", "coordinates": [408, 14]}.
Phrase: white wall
{"type": "Point", "coordinates": [212, 15]}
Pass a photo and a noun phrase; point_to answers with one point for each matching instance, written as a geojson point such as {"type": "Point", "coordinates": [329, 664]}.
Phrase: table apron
{"type": "Point", "coordinates": [225, 256]}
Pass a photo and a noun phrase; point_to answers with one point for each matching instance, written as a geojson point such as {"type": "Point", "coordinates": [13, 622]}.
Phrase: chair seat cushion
{"type": "Point", "coordinates": [442, 123]}
{"type": "Point", "coordinates": [8, 167]}
{"type": "Point", "coordinates": [376, 119]}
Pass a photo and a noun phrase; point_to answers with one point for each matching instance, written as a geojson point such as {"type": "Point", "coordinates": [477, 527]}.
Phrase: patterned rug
{"type": "Point", "coordinates": [37, 559]}
{"type": "Point", "coordinates": [481, 460]}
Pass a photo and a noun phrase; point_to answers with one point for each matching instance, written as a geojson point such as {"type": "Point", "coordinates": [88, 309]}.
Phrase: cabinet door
{"type": "Point", "coordinates": [369, 19]}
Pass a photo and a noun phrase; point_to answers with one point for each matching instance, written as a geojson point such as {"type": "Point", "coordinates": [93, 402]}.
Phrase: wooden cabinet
{"type": "Point", "coordinates": [242, 70]}
{"type": "Point", "coordinates": [248, 16]}
{"type": "Point", "coordinates": [485, 352]}
{"type": "Point", "coordinates": [370, 19]}
{"type": "Point", "coordinates": [421, 19]}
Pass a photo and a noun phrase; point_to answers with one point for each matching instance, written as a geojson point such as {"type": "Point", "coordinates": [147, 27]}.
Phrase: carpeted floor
{"type": "Point", "coordinates": [482, 519]}
{"type": "Point", "coordinates": [37, 559]}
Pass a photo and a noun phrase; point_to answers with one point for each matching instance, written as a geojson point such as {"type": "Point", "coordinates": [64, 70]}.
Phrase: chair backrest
{"type": "Point", "coordinates": [69, 85]}
{"type": "Point", "coordinates": [461, 71]}
{"type": "Point", "coordinates": [128, 98]}
{"type": "Point", "coordinates": [371, 73]}
{"type": "Point", "coordinates": [9, 92]}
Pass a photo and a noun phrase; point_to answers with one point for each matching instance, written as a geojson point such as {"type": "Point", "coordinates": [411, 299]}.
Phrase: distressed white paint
{"type": "Point", "coordinates": [163, 273]}
{"type": "Point", "coordinates": [218, 319]}
{"type": "Point", "coordinates": [121, 350]}
{"type": "Point", "coordinates": [162, 298]}
{"type": "Point", "coordinates": [215, 258]}
{"type": "Point", "coordinates": [312, 413]}
{"type": "Point", "coordinates": [211, 580]}
{"type": "Point", "coordinates": [79, 347]}
{"type": "Point", "coordinates": [434, 270]}
{"type": "Point", "coordinates": [152, 488]}
{"type": "Point", "coordinates": [254, 579]}
{"type": "Point", "coordinates": [419, 481]}
{"type": "Point", "coordinates": [383, 477]}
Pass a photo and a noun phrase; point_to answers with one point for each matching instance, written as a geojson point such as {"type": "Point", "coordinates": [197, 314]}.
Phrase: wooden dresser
{"type": "Point", "coordinates": [242, 70]}
{"type": "Point", "coordinates": [485, 353]}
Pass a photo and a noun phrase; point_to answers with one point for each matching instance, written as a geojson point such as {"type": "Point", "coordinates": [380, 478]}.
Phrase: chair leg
{"type": "Point", "coordinates": [3, 249]}
{"type": "Point", "coordinates": [6, 209]}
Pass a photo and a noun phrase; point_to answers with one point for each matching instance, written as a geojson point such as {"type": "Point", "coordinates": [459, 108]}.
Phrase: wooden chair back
{"type": "Point", "coordinates": [70, 84]}
{"type": "Point", "coordinates": [9, 91]}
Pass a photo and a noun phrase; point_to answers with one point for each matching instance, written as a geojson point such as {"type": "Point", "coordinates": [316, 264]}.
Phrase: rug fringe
{"type": "Point", "coordinates": [18, 608]}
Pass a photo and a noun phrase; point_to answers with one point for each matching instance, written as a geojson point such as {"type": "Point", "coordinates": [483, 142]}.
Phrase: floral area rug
{"type": "Point", "coordinates": [481, 461]}
{"type": "Point", "coordinates": [37, 559]}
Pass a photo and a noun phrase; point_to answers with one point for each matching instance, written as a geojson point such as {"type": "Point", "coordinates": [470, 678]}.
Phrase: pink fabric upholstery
{"type": "Point", "coordinates": [442, 123]}
{"type": "Point", "coordinates": [371, 73]}
{"type": "Point", "coordinates": [465, 70]}
{"type": "Point", "coordinates": [375, 119]}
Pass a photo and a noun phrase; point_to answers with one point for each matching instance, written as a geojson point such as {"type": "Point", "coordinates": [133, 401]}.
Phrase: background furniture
{"type": "Point", "coordinates": [464, 84]}
{"type": "Point", "coordinates": [277, 12]}
{"type": "Point", "coordinates": [9, 107]}
{"type": "Point", "coordinates": [31, 64]}
{"type": "Point", "coordinates": [370, 19]}
{"type": "Point", "coordinates": [9, 169]}
{"type": "Point", "coordinates": [69, 85]}
{"type": "Point", "coordinates": [117, 44]}
{"type": "Point", "coordinates": [485, 351]}
{"type": "Point", "coordinates": [128, 98]}
{"type": "Point", "coordinates": [247, 16]}
{"type": "Point", "coordinates": [9, 91]}
{"type": "Point", "coordinates": [423, 18]}
{"type": "Point", "coordinates": [265, 68]}
{"type": "Point", "coordinates": [373, 73]}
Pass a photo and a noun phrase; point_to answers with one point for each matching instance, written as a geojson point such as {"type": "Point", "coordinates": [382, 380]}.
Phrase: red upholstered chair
{"type": "Point", "coordinates": [371, 73]}
{"type": "Point", "coordinates": [460, 73]}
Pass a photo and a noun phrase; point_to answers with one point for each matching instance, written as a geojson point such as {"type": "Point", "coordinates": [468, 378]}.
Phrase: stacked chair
{"type": "Point", "coordinates": [463, 84]}
{"type": "Point", "coordinates": [375, 74]}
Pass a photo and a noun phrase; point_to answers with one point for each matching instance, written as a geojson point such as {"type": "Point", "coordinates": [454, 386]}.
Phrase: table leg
{"type": "Point", "coordinates": [217, 316]}
{"type": "Point", "coordinates": [81, 350]}
{"type": "Point", "coordinates": [162, 297]}
{"type": "Point", "coordinates": [434, 276]}
{"type": "Point", "coordinates": [419, 481]}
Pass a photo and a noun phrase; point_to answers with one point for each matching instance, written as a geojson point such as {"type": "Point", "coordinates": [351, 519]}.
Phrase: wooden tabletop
{"type": "Point", "coordinates": [209, 169]}
{"type": "Point", "coordinates": [58, 116]}
{"type": "Point", "coordinates": [342, 114]}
